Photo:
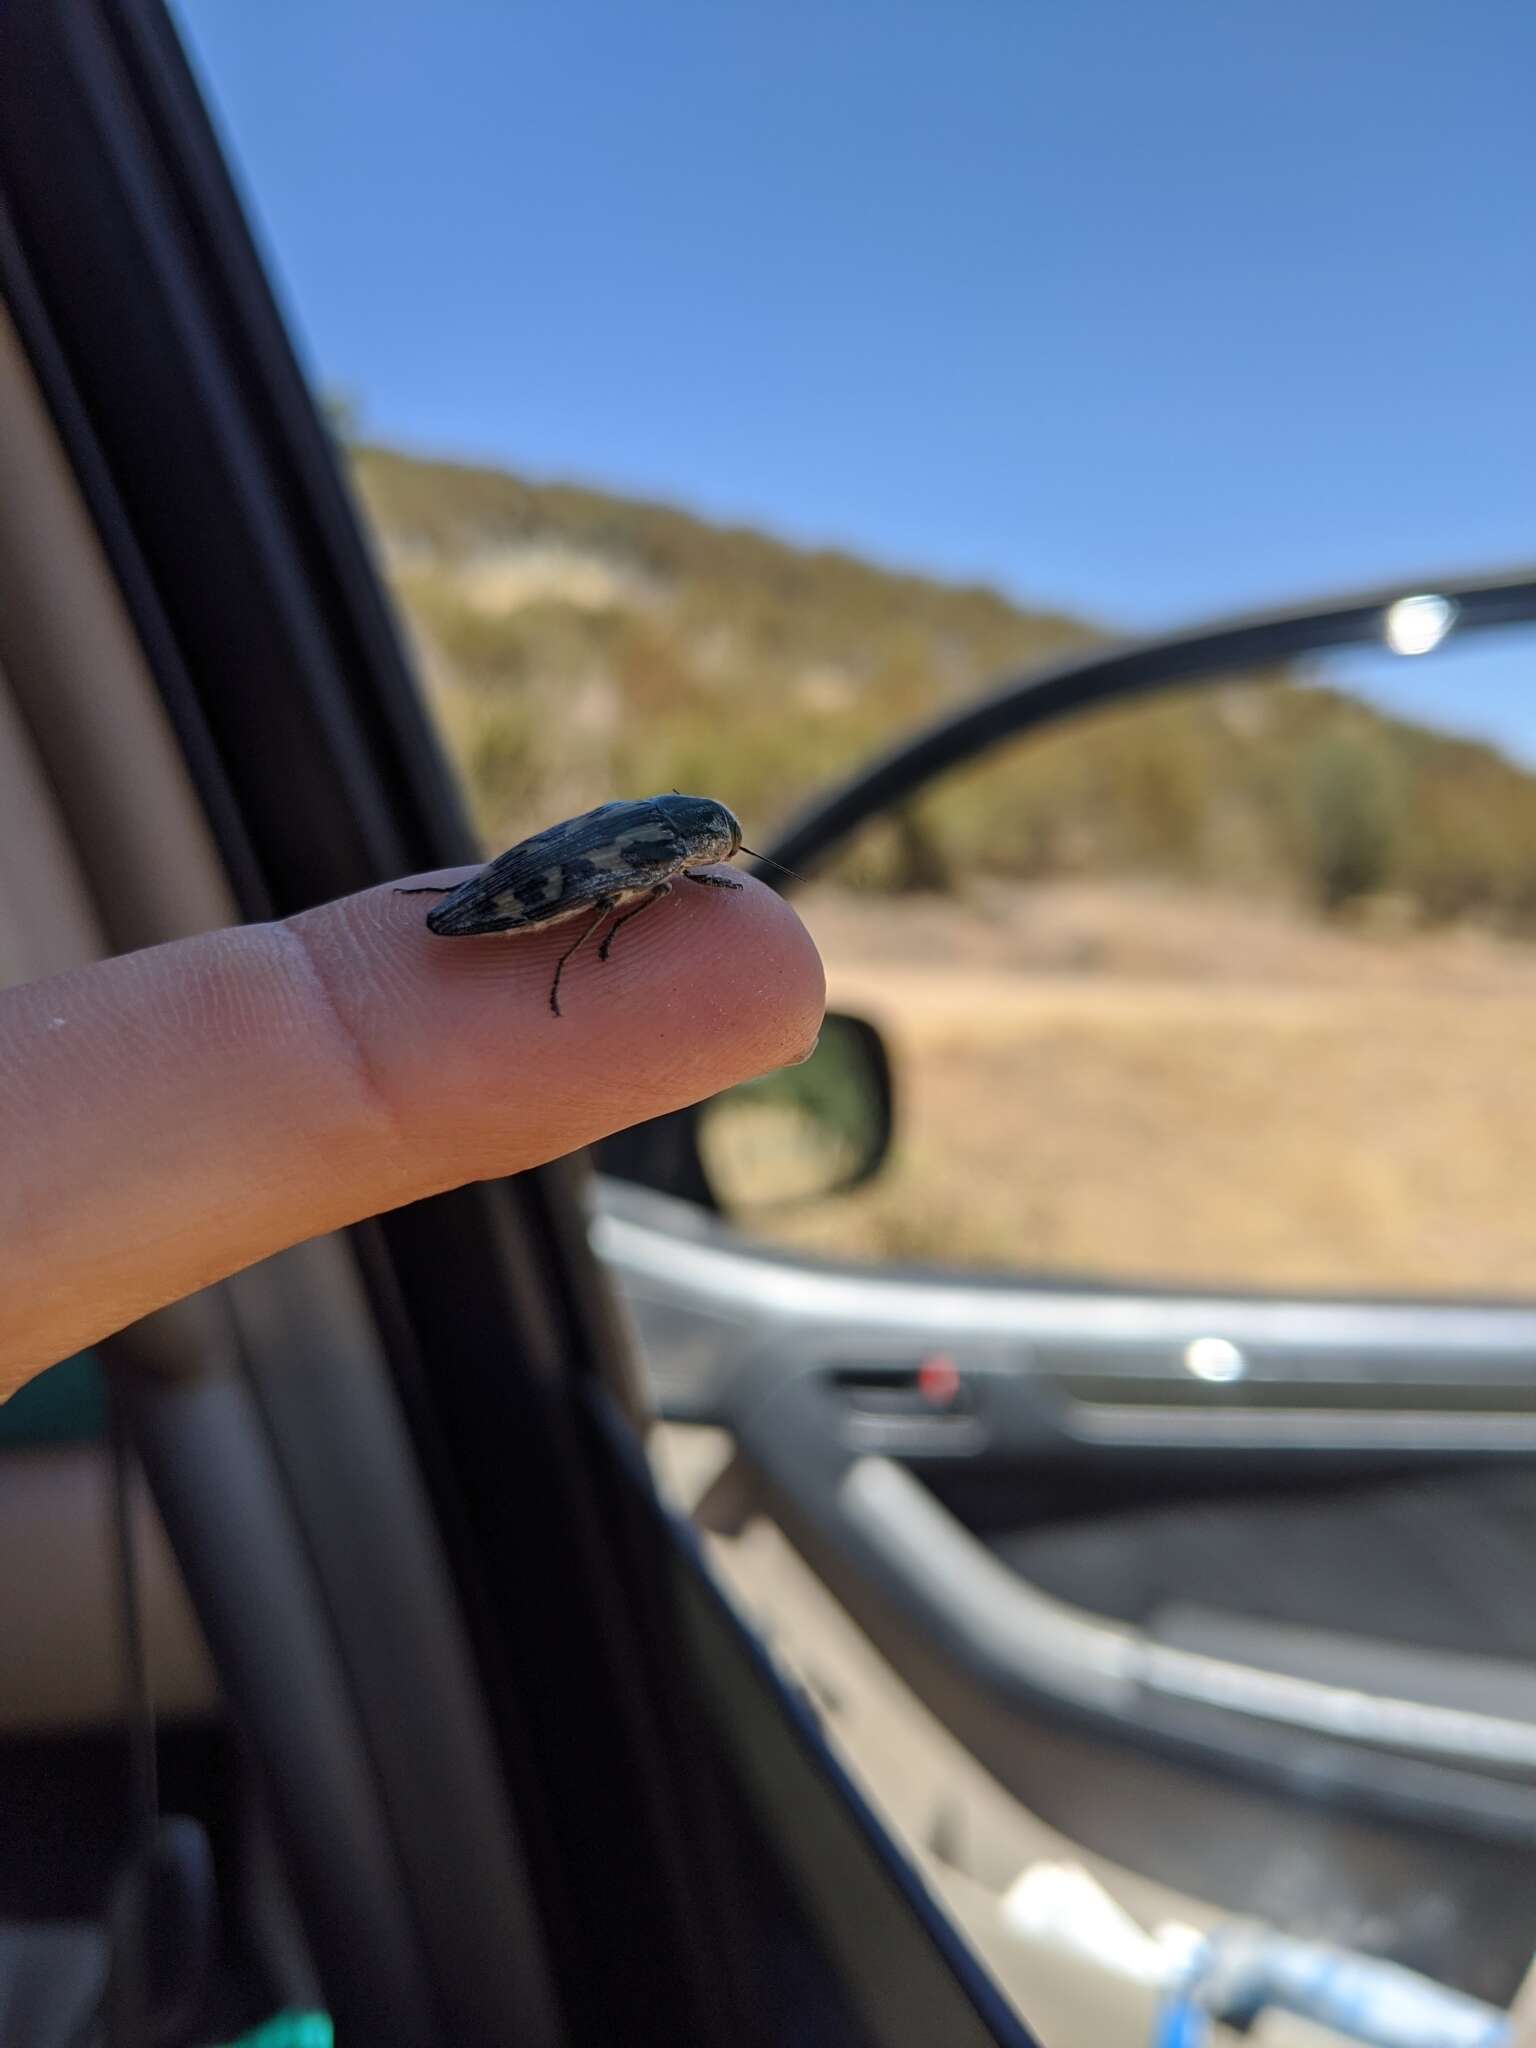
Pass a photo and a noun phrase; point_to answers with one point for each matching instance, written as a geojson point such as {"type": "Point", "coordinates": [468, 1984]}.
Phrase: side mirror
{"type": "Point", "coordinates": [808, 1131]}
{"type": "Point", "coordinates": [816, 1129]}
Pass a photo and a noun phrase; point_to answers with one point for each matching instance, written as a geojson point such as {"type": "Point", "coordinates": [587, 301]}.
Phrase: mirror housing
{"type": "Point", "coordinates": [804, 1132]}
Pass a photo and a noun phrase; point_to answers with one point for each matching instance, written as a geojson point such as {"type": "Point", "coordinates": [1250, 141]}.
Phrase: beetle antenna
{"type": "Point", "coordinates": [767, 863]}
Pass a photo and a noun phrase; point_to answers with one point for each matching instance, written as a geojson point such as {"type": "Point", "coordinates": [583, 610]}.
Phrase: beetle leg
{"type": "Point", "coordinates": [441, 889]}
{"type": "Point", "coordinates": [604, 905]}
{"type": "Point", "coordinates": [661, 889]}
{"type": "Point", "coordinates": [715, 881]}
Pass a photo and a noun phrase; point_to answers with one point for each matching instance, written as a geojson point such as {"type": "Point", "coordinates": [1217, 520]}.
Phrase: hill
{"type": "Point", "coordinates": [578, 645]}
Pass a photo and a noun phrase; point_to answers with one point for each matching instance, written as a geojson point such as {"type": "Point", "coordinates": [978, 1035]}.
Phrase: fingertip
{"type": "Point", "coordinates": [749, 956]}
{"type": "Point", "coordinates": [704, 988]}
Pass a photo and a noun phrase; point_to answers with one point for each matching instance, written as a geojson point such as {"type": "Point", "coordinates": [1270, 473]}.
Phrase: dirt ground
{"type": "Point", "coordinates": [1140, 1082]}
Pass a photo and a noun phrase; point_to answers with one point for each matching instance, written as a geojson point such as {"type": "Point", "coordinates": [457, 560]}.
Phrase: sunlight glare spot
{"type": "Point", "coordinates": [1417, 625]}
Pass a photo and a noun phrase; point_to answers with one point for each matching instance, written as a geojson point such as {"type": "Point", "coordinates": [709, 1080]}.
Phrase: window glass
{"type": "Point", "coordinates": [1230, 989]}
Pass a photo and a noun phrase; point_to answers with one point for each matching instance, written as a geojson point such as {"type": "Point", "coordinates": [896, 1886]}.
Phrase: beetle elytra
{"type": "Point", "coordinates": [620, 858]}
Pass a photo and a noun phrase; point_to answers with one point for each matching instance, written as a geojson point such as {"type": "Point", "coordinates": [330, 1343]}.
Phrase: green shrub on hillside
{"type": "Point", "coordinates": [1353, 817]}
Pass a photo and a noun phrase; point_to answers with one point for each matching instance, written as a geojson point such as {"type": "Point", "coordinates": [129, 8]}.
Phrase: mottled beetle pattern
{"type": "Point", "coordinates": [612, 862]}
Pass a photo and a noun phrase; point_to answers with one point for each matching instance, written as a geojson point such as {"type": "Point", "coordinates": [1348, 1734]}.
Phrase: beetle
{"type": "Point", "coordinates": [621, 857]}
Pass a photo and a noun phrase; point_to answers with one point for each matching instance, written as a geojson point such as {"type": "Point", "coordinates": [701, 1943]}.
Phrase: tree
{"type": "Point", "coordinates": [1352, 809]}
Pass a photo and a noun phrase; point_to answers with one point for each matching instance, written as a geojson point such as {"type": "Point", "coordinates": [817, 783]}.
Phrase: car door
{"type": "Point", "coordinates": [1164, 1407]}
{"type": "Point", "coordinates": [521, 1761]}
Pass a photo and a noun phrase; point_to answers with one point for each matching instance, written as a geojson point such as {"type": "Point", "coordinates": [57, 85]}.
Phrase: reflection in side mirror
{"type": "Point", "coordinates": [805, 1132]}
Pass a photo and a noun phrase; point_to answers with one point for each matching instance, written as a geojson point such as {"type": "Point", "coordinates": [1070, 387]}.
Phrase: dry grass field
{"type": "Point", "coordinates": [1103, 1079]}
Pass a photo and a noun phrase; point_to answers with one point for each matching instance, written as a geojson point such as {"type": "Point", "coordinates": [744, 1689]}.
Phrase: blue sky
{"type": "Point", "coordinates": [1147, 311]}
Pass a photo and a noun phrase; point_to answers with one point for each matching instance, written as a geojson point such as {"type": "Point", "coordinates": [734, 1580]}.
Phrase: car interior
{"type": "Point", "coordinates": [573, 1609]}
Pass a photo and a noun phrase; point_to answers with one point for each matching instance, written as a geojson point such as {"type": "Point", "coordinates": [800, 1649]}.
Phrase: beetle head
{"type": "Point", "coordinates": [706, 828]}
